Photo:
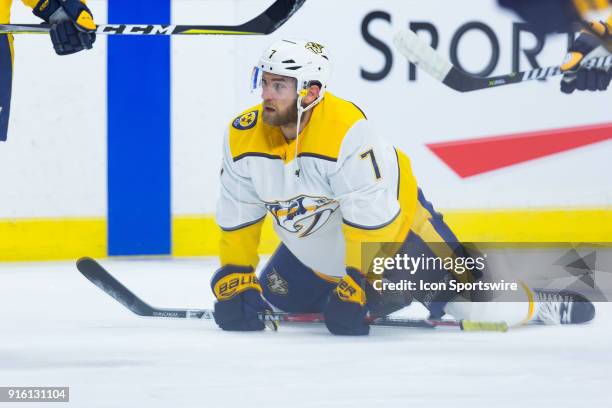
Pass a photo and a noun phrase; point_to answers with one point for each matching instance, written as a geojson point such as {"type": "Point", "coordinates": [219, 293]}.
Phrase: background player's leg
{"type": "Point", "coordinates": [6, 80]}
{"type": "Point", "coordinates": [293, 287]}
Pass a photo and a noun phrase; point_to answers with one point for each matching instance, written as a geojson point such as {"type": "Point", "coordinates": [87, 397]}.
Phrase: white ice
{"type": "Point", "coordinates": [57, 329]}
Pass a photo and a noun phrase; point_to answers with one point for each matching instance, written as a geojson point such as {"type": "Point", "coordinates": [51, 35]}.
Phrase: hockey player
{"type": "Point", "coordinates": [310, 160]}
{"type": "Point", "coordinates": [72, 30]}
{"type": "Point", "coordinates": [595, 40]}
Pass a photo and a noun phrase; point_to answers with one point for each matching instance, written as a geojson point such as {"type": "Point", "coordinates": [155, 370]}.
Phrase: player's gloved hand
{"type": "Point", "coordinates": [587, 46]}
{"type": "Point", "coordinates": [72, 24]}
{"type": "Point", "coordinates": [239, 300]}
{"type": "Point", "coordinates": [346, 308]}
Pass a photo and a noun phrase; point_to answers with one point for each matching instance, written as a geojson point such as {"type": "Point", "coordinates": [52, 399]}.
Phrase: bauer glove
{"type": "Point", "coordinates": [72, 25]}
{"type": "Point", "coordinates": [239, 302]}
{"type": "Point", "coordinates": [346, 310]}
{"type": "Point", "coordinates": [587, 45]}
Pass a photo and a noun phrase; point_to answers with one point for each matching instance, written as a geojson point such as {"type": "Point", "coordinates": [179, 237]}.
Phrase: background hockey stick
{"type": "Point", "coordinates": [431, 61]}
{"type": "Point", "coordinates": [265, 23]}
{"type": "Point", "coordinates": [100, 277]}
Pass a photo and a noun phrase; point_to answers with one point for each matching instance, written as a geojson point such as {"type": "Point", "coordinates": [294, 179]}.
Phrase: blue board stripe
{"type": "Point", "coordinates": [138, 80]}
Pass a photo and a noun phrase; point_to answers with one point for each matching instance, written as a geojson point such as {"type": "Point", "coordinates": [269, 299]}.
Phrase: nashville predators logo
{"type": "Point", "coordinates": [246, 121]}
{"type": "Point", "coordinates": [314, 47]}
{"type": "Point", "coordinates": [276, 283]}
{"type": "Point", "coordinates": [302, 215]}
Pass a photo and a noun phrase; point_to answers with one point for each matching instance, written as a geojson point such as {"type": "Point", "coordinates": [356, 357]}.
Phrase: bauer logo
{"type": "Point", "coordinates": [235, 283]}
{"type": "Point", "coordinates": [302, 215]}
{"type": "Point", "coordinates": [345, 291]}
{"type": "Point", "coordinates": [348, 291]}
{"type": "Point", "coordinates": [246, 121]}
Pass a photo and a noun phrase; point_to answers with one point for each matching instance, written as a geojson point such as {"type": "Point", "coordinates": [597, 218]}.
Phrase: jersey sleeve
{"type": "Point", "coordinates": [365, 184]}
{"type": "Point", "coordinates": [240, 214]}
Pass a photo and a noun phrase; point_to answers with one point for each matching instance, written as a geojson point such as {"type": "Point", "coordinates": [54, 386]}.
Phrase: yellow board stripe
{"type": "Point", "coordinates": [554, 225]}
{"type": "Point", "coordinates": [200, 235]}
{"type": "Point", "coordinates": [52, 239]}
{"type": "Point", "coordinates": [545, 225]}
{"type": "Point", "coordinates": [70, 238]}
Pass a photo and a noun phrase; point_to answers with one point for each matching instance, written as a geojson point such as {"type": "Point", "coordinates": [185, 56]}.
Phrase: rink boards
{"type": "Point", "coordinates": [56, 199]}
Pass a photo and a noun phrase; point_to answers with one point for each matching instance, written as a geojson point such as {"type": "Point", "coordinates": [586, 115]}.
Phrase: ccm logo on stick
{"type": "Point", "coordinates": [138, 29]}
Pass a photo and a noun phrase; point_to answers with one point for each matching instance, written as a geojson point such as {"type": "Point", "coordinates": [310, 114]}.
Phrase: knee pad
{"type": "Point", "coordinates": [291, 286]}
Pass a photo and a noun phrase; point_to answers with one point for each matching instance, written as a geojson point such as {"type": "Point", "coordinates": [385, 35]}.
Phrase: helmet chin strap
{"type": "Point", "coordinates": [300, 111]}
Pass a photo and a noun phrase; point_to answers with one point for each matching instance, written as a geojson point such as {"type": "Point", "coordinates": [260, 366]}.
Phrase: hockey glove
{"type": "Point", "coordinates": [345, 311]}
{"type": "Point", "coordinates": [586, 46]}
{"type": "Point", "coordinates": [72, 25]}
{"type": "Point", "coordinates": [239, 300]}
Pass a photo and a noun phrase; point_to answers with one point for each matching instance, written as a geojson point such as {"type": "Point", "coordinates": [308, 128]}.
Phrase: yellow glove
{"type": "Point", "coordinates": [72, 24]}
{"type": "Point", "coordinates": [589, 44]}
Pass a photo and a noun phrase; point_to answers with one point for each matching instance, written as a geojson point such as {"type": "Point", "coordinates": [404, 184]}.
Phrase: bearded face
{"type": "Point", "coordinates": [279, 100]}
{"type": "Point", "coordinates": [277, 114]}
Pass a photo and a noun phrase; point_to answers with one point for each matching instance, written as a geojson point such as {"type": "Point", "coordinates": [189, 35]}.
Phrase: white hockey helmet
{"type": "Point", "coordinates": [306, 61]}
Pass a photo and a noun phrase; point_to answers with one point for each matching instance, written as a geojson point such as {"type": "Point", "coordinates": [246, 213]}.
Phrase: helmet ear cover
{"type": "Point", "coordinates": [304, 91]}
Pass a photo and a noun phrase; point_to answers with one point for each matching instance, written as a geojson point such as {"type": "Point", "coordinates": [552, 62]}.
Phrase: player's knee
{"type": "Point", "coordinates": [291, 286]}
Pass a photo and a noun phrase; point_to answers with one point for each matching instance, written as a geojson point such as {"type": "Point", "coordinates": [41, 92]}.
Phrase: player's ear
{"type": "Point", "coordinates": [313, 93]}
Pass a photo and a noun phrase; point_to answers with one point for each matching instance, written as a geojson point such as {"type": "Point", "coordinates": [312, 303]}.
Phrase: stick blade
{"type": "Point", "coordinates": [100, 277]}
{"type": "Point", "coordinates": [421, 54]}
{"type": "Point", "coordinates": [275, 16]}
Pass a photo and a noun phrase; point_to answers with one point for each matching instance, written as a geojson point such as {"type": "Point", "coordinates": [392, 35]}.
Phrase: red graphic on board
{"type": "Point", "coordinates": [471, 157]}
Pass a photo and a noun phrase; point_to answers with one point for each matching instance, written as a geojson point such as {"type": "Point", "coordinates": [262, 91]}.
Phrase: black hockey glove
{"type": "Point", "coordinates": [239, 300]}
{"type": "Point", "coordinates": [72, 24]}
{"type": "Point", "coordinates": [586, 46]}
{"type": "Point", "coordinates": [346, 309]}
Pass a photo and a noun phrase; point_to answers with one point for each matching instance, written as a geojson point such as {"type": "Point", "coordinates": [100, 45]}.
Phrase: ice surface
{"type": "Point", "coordinates": [60, 330]}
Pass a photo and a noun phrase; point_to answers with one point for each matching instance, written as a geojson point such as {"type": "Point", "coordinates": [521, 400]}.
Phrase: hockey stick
{"type": "Point", "coordinates": [265, 23]}
{"type": "Point", "coordinates": [431, 61]}
{"type": "Point", "coordinates": [100, 277]}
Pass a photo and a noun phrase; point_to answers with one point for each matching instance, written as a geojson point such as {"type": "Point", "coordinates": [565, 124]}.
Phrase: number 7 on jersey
{"type": "Point", "coordinates": [374, 163]}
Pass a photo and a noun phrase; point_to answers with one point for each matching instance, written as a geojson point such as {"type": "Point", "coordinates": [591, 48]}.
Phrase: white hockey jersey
{"type": "Point", "coordinates": [337, 185]}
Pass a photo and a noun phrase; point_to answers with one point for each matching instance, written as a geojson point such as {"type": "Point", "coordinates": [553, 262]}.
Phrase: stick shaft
{"type": "Point", "coordinates": [431, 61]}
{"type": "Point", "coordinates": [265, 23]}
{"type": "Point", "coordinates": [100, 277]}
{"type": "Point", "coordinates": [134, 29]}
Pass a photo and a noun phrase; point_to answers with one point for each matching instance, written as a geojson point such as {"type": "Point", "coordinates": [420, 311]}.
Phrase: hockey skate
{"type": "Point", "coordinates": [562, 307]}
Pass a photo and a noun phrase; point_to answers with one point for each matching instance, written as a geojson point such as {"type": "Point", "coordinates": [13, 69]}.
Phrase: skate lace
{"type": "Point", "coordinates": [554, 308]}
